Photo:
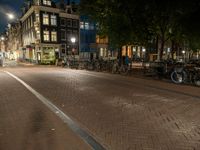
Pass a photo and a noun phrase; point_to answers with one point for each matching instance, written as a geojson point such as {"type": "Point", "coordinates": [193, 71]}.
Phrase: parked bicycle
{"type": "Point", "coordinates": [187, 73]}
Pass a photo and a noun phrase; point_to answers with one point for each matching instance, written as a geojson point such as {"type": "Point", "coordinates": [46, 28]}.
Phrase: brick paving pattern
{"type": "Point", "coordinates": [26, 124]}
{"type": "Point", "coordinates": [123, 113]}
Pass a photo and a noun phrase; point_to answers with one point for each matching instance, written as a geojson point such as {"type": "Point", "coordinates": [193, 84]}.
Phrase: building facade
{"type": "Point", "coordinates": [13, 40]}
{"type": "Point", "coordinates": [47, 32]}
{"type": "Point", "coordinates": [93, 46]}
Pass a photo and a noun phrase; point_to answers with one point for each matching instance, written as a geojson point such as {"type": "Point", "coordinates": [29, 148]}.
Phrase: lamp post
{"type": "Point", "coordinates": [183, 55]}
{"type": "Point", "coordinates": [73, 40]}
{"type": "Point", "coordinates": [144, 54]}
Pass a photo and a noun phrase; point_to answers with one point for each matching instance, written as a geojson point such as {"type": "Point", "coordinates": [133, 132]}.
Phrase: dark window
{"type": "Point", "coordinates": [63, 35]}
{"type": "Point", "coordinates": [62, 22]}
{"type": "Point", "coordinates": [63, 48]}
{"type": "Point", "coordinates": [69, 35]}
{"type": "Point", "coordinates": [75, 23]}
{"type": "Point", "coordinates": [69, 22]}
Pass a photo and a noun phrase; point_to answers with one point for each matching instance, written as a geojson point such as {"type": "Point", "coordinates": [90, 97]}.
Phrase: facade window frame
{"type": "Point", "coordinates": [47, 2]}
{"type": "Point", "coordinates": [87, 27]}
{"type": "Point", "coordinates": [63, 49]}
{"type": "Point", "coordinates": [62, 22]}
{"type": "Point", "coordinates": [53, 20]}
{"type": "Point", "coordinates": [53, 36]}
{"type": "Point", "coordinates": [63, 32]}
{"type": "Point", "coordinates": [69, 22]}
{"type": "Point", "coordinates": [45, 19]}
{"type": "Point", "coordinates": [81, 25]}
{"type": "Point", "coordinates": [46, 36]}
{"type": "Point", "coordinates": [75, 23]}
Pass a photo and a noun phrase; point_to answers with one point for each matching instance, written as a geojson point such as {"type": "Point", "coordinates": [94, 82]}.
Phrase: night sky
{"type": "Point", "coordinates": [7, 6]}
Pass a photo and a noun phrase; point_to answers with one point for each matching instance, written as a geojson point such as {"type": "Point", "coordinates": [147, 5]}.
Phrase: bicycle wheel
{"type": "Point", "coordinates": [123, 70]}
{"type": "Point", "coordinates": [197, 80]}
{"type": "Point", "coordinates": [178, 77]}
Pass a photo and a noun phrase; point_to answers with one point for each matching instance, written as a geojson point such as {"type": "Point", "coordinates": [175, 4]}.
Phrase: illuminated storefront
{"type": "Point", "coordinates": [134, 52]}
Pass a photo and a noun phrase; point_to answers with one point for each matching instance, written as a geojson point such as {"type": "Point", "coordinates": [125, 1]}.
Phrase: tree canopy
{"type": "Point", "coordinates": [139, 22]}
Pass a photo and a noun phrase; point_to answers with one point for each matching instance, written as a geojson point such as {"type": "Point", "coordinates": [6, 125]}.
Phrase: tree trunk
{"type": "Point", "coordinates": [157, 48]}
{"type": "Point", "coordinates": [120, 55]}
{"type": "Point", "coordinates": [162, 47]}
{"type": "Point", "coordinates": [172, 49]}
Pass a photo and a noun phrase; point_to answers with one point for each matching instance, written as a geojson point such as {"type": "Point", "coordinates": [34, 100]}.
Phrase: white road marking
{"type": "Point", "coordinates": [66, 119]}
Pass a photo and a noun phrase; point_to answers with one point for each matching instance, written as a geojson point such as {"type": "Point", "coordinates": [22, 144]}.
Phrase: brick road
{"type": "Point", "coordinates": [123, 113]}
{"type": "Point", "coordinates": [26, 124]}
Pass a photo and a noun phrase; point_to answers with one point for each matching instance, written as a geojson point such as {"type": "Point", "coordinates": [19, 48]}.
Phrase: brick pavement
{"type": "Point", "coordinates": [26, 124]}
{"type": "Point", "coordinates": [123, 113]}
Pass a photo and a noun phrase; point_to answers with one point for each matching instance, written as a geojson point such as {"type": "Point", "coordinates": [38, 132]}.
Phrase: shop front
{"type": "Point", "coordinates": [48, 55]}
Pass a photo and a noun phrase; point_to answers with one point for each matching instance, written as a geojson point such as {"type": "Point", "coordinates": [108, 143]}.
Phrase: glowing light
{"type": "Point", "coordinates": [10, 16]}
{"type": "Point", "coordinates": [2, 38]}
{"type": "Point", "coordinates": [73, 39]}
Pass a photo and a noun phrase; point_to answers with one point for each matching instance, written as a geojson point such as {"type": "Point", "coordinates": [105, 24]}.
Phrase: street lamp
{"type": "Point", "coordinates": [144, 53]}
{"type": "Point", "coordinates": [73, 40]}
{"type": "Point", "coordinates": [2, 38]}
{"type": "Point", "coordinates": [183, 54]}
{"type": "Point", "coordinates": [10, 16]}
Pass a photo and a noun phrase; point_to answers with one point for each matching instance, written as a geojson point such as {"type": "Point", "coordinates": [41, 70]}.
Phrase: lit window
{"type": "Point", "coordinates": [54, 36]}
{"type": "Point", "coordinates": [38, 34]}
{"type": "Point", "coordinates": [47, 2]}
{"type": "Point", "coordinates": [53, 20]}
{"type": "Point", "coordinates": [46, 35]}
{"type": "Point", "coordinates": [37, 16]}
{"type": "Point", "coordinates": [81, 25]}
{"type": "Point", "coordinates": [101, 52]}
{"type": "Point", "coordinates": [86, 26]}
{"type": "Point", "coordinates": [45, 19]}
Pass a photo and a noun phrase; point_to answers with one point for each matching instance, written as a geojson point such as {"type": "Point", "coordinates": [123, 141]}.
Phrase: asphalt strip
{"type": "Point", "coordinates": [66, 119]}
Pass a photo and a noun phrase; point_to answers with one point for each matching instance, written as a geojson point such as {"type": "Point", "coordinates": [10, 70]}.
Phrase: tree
{"type": "Point", "coordinates": [132, 21]}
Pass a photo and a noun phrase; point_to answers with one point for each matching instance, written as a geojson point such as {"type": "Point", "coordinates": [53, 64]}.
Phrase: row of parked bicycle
{"type": "Point", "coordinates": [112, 66]}
{"type": "Point", "coordinates": [178, 72]}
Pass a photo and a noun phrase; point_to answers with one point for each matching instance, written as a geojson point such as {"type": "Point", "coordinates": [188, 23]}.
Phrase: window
{"type": "Point", "coordinates": [31, 21]}
{"type": "Point", "coordinates": [37, 16]}
{"type": "Point", "coordinates": [53, 20]}
{"type": "Point", "coordinates": [54, 36]}
{"type": "Point", "coordinates": [75, 34]}
{"type": "Point", "coordinates": [38, 34]}
{"type": "Point", "coordinates": [63, 35]}
{"type": "Point", "coordinates": [69, 22]}
{"type": "Point", "coordinates": [63, 49]}
{"type": "Point", "coordinates": [75, 23]}
{"type": "Point", "coordinates": [69, 35]}
{"type": "Point", "coordinates": [62, 22]}
{"type": "Point", "coordinates": [45, 19]}
{"type": "Point", "coordinates": [81, 25]}
{"type": "Point", "coordinates": [46, 35]}
{"type": "Point", "coordinates": [91, 26]}
{"type": "Point", "coordinates": [47, 2]}
{"type": "Point", "coordinates": [86, 26]}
